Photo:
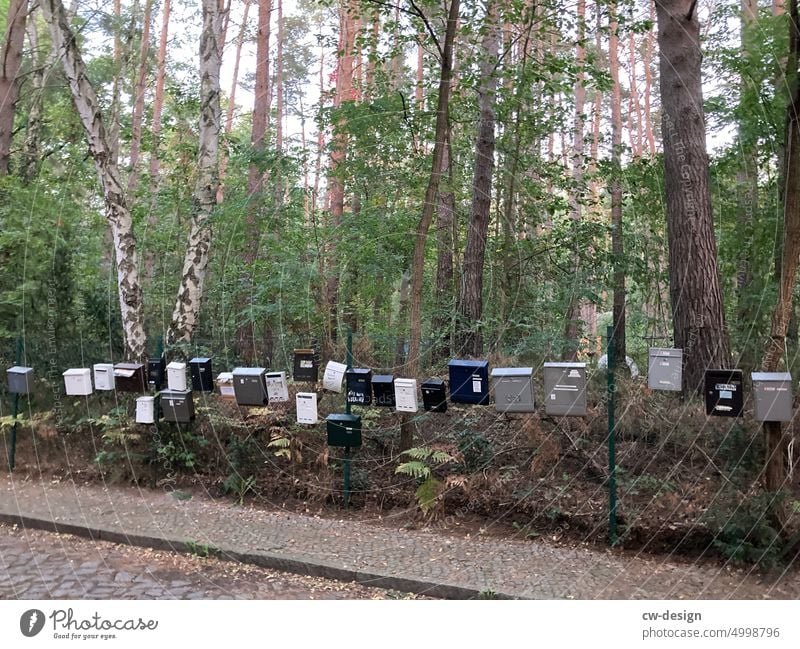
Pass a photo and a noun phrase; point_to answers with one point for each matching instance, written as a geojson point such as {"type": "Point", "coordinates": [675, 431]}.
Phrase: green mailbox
{"type": "Point", "coordinates": [343, 430]}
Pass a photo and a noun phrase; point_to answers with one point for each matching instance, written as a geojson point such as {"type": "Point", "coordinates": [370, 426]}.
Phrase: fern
{"type": "Point", "coordinates": [282, 444]}
{"type": "Point", "coordinates": [427, 494]}
{"type": "Point", "coordinates": [417, 470]}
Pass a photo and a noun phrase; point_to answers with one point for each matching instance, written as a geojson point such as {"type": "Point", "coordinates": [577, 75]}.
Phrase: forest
{"type": "Point", "coordinates": [437, 179]}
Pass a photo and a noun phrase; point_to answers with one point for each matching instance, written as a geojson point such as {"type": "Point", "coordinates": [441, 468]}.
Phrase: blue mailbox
{"type": "Point", "coordinates": [469, 381]}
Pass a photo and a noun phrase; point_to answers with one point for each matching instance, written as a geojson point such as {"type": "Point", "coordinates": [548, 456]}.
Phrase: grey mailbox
{"type": "Point", "coordinates": [20, 379]}
{"type": "Point", "coordinates": [513, 389]}
{"type": "Point", "coordinates": [177, 405]}
{"type": "Point", "coordinates": [665, 369]}
{"type": "Point", "coordinates": [250, 386]}
{"type": "Point", "coordinates": [565, 389]}
{"type": "Point", "coordinates": [772, 396]}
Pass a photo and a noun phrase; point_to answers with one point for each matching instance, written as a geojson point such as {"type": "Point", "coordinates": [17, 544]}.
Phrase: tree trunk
{"type": "Point", "coordinates": [445, 216]}
{"type": "Point", "coordinates": [190, 293]}
{"type": "Point", "coordinates": [698, 315]}
{"type": "Point", "coordinates": [158, 95]}
{"type": "Point", "coordinates": [223, 160]}
{"type": "Point", "coordinates": [279, 81]}
{"type": "Point", "coordinates": [636, 105]}
{"type": "Point", "coordinates": [648, 85]}
{"type": "Point", "coordinates": [33, 130]}
{"type": "Point", "coordinates": [573, 323]}
{"type": "Point", "coordinates": [9, 76]}
{"type": "Point", "coordinates": [117, 213]}
{"type": "Point", "coordinates": [470, 299]}
{"type": "Point", "coordinates": [618, 311]}
{"type": "Point", "coordinates": [138, 104]}
{"type": "Point", "coordinates": [776, 442]}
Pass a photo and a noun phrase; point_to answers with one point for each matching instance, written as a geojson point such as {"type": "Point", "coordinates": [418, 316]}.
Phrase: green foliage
{"type": "Point", "coordinates": [420, 467]}
{"type": "Point", "coordinates": [239, 486]}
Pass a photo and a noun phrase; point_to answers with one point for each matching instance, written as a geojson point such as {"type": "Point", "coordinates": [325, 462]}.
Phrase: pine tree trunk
{"type": "Point", "coordinates": [9, 76]}
{"type": "Point", "coordinates": [190, 293]}
{"type": "Point", "coordinates": [158, 94]}
{"type": "Point", "coordinates": [618, 310]}
{"type": "Point", "coordinates": [648, 86]}
{"type": "Point", "coordinates": [445, 215]}
{"type": "Point", "coordinates": [470, 299]}
{"type": "Point", "coordinates": [698, 315]}
{"type": "Point", "coordinates": [117, 213]}
{"type": "Point", "coordinates": [138, 105]}
{"type": "Point", "coordinates": [33, 130]}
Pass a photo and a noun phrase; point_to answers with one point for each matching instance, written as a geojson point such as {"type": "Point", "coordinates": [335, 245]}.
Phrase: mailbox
{"type": "Point", "coordinates": [249, 386]}
{"type": "Point", "coordinates": [306, 366]}
{"type": "Point", "coordinates": [146, 410]}
{"type": "Point", "coordinates": [383, 390]}
{"type": "Point", "coordinates": [469, 381]}
{"type": "Point", "coordinates": [156, 373]}
{"type": "Point", "coordinates": [343, 430]}
{"type": "Point", "coordinates": [277, 388]}
{"type": "Point", "coordinates": [772, 394]}
{"type": "Point", "coordinates": [20, 379]}
{"type": "Point", "coordinates": [359, 386]}
{"type": "Point", "coordinates": [78, 382]}
{"type": "Point", "coordinates": [202, 379]}
{"type": "Point", "coordinates": [104, 376]}
{"type": "Point", "coordinates": [405, 395]}
{"type": "Point", "coordinates": [513, 389]}
{"type": "Point", "coordinates": [129, 377]}
{"type": "Point", "coordinates": [306, 407]}
{"type": "Point", "coordinates": [665, 369]}
{"type": "Point", "coordinates": [177, 405]}
{"type": "Point", "coordinates": [334, 376]}
{"type": "Point", "coordinates": [434, 395]}
{"type": "Point", "coordinates": [565, 389]}
{"type": "Point", "coordinates": [724, 394]}
{"type": "Point", "coordinates": [225, 384]}
{"type": "Point", "coordinates": [176, 376]}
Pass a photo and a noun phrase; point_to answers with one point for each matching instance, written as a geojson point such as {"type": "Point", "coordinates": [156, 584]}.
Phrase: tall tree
{"type": "Point", "coordinates": [616, 187]}
{"type": "Point", "coordinates": [697, 311]}
{"type": "Point", "coordinates": [204, 199]}
{"type": "Point", "coordinates": [158, 94]}
{"type": "Point", "coordinates": [9, 76]}
{"type": "Point", "coordinates": [470, 297]}
{"type": "Point", "coordinates": [116, 208]}
{"type": "Point", "coordinates": [138, 99]}
{"type": "Point", "coordinates": [776, 441]}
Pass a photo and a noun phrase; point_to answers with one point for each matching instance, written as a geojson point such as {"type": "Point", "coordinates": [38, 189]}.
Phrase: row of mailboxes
{"type": "Point", "coordinates": [173, 405]}
{"type": "Point", "coordinates": [772, 394]}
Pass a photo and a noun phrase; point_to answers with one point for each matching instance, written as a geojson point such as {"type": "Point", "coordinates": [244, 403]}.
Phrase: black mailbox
{"type": "Point", "coordinates": [156, 371]}
{"type": "Point", "coordinates": [724, 393]}
{"type": "Point", "coordinates": [130, 377]}
{"type": "Point", "coordinates": [343, 430]}
{"type": "Point", "coordinates": [383, 389]}
{"type": "Point", "coordinates": [177, 405]}
{"type": "Point", "coordinates": [306, 365]}
{"type": "Point", "coordinates": [359, 386]}
{"type": "Point", "coordinates": [434, 395]}
{"type": "Point", "coordinates": [200, 369]}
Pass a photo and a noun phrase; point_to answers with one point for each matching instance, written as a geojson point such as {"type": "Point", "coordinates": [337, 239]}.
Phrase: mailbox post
{"type": "Point", "coordinates": [12, 452]}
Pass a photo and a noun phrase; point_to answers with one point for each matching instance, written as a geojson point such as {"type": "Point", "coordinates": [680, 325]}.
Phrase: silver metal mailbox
{"type": "Point", "coordinates": [513, 389]}
{"type": "Point", "coordinates": [772, 396]}
{"type": "Point", "coordinates": [565, 389]}
{"type": "Point", "coordinates": [20, 379]}
{"type": "Point", "coordinates": [277, 388]}
{"type": "Point", "coordinates": [177, 405]}
{"type": "Point", "coordinates": [665, 369]}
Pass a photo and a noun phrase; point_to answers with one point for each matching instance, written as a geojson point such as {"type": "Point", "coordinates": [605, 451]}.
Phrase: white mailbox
{"type": "Point", "coordinates": [78, 381]}
{"type": "Point", "coordinates": [405, 395]}
{"type": "Point", "coordinates": [104, 376]}
{"type": "Point", "coordinates": [176, 376]}
{"type": "Point", "coordinates": [146, 410]}
{"type": "Point", "coordinates": [306, 407]}
{"type": "Point", "coordinates": [277, 388]}
{"type": "Point", "coordinates": [334, 376]}
{"type": "Point", "coordinates": [225, 383]}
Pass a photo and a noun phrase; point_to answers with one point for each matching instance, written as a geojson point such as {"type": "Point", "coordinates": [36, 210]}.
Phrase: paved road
{"type": "Point", "coordinates": [44, 565]}
{"type": "Point", "coordinates": [425, 561]}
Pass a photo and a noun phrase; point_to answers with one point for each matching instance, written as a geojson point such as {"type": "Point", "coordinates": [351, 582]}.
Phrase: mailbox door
{"type": "Point", "coordinates": [406, 395]}
{"type": "Point", "coordinates": [724, 393]}
{"type": "Point", "coordinates": [306, 407]}
{"type": "Point", "coordinates": [772, 394]}
{"type": "Point", "coordinates": [514, 394]}
{"type": "Point", "coordinates": [305, 365]}
{"type": "Point", "coordinates": [277, 389]}
{"type": "Point", "coordinates": [565, 390]}
{"type": "Point", "coordinates": [434, 396]}
{"type": "Point", "coordinates": [344, 430]}
{"type": "Point", "coordinates": [665, 369]}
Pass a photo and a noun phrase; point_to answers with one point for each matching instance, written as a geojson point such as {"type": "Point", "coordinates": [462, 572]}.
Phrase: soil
{"type": "Point", "coordinates": [687, 484]}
